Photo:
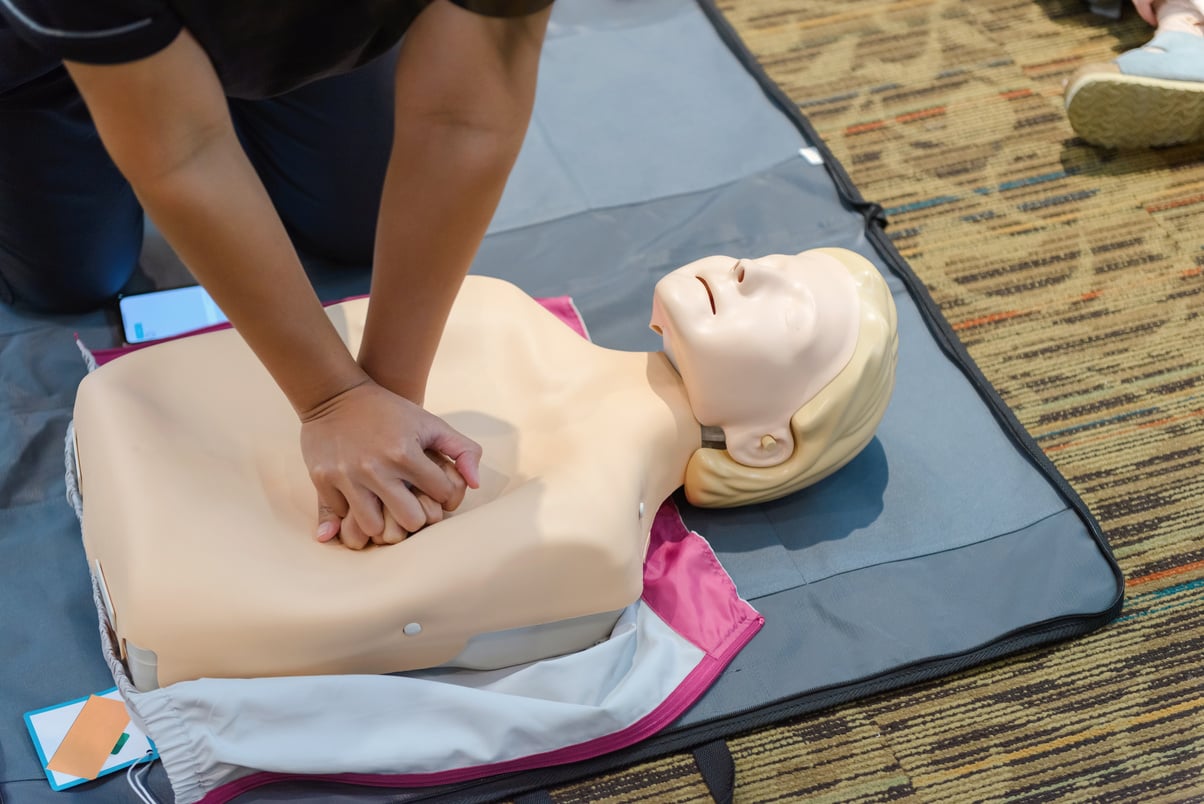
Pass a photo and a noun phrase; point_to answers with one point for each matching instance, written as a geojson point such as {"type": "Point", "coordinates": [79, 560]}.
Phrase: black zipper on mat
{"type": "Point", "coordinates": [875, 219]}
{"type": "Point", "coordinates": [956, 350]}
{"type": "Point", "coordinates": [872, 212]}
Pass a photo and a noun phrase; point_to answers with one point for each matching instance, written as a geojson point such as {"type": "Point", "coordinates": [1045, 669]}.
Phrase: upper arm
{"type": "Point", "coordinates": [153, 114]}
{"type": "Point", "coordinates": [470, 68]}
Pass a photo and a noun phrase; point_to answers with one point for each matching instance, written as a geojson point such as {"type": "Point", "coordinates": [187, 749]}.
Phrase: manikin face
{"type": "Point", "coordinates": [756, 339]}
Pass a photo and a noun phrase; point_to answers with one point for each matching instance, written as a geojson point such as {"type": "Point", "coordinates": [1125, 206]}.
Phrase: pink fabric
{"type": "Point", "coordinates": [680, 574]}
{"type": "Point", "coordinates": [563, 308]}
{"type": "Point", "coordinates": [686, 587]}
{"type": "Point", "coordinates": [559, 306]}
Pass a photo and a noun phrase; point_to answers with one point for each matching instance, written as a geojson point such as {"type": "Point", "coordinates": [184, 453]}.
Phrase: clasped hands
{"type": "Point", "coordinates": [383, 466]}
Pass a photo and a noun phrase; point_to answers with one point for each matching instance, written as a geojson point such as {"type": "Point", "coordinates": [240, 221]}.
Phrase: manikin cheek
{"type": "Point", "coordinates": [728, 365]}
{"type": "Point", "coordinates": [720, 392]}
{"type": "Point", "coordinates": [733, 384]}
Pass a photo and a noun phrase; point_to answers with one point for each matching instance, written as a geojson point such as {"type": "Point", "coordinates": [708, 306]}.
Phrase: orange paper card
{"type": "Point", "coordinates": [91, 738]}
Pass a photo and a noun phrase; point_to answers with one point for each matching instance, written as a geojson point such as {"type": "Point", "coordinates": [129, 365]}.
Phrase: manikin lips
{"type": "Point", "coordinates": [710, 295]}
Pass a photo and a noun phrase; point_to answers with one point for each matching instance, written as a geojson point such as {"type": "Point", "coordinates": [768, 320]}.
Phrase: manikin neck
{"type": "Point", "coordinates": [672, 439]}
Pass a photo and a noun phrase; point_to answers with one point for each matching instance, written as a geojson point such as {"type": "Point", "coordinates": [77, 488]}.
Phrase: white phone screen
{"type": "Point", "coordinates": [164, 313]}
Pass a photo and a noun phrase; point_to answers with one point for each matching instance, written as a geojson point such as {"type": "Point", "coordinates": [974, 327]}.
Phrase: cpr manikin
{"type": "Point", "coordinates": [199, 512]}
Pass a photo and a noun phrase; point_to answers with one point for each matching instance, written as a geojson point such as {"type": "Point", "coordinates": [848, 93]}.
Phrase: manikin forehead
{"type": "Point", "coordinates": [783, 261]}
{"type": "Point", "coordinates": [723, 262]}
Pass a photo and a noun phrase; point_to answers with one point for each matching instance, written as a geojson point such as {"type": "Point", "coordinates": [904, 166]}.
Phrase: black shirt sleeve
{"type": "Point", "coordinates": [500, 8]}
{"type": "Point", "coordinates": [93, 31]}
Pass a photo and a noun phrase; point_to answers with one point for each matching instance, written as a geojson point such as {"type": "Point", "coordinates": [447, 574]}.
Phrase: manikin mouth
{"type": "Point", "coordinates": [710, 295]}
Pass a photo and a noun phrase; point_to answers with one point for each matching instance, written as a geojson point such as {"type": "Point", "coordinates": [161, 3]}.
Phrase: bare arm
{"type": "Point", "coordinates": [165, 122]}
{"type": "Point", "coordinates": [464, 91]}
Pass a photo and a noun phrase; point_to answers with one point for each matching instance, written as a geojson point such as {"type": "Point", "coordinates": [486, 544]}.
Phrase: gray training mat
{"type": "Point", "coordinates": [656, 140]}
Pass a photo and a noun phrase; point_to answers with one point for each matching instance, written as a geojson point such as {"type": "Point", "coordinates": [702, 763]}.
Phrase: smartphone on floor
{"type": "Point", "coordinates": [165, 313]}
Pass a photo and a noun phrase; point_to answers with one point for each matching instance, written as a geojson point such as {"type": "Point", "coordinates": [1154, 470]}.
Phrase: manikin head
{"type": "Point", "coordinates": [792, 356]}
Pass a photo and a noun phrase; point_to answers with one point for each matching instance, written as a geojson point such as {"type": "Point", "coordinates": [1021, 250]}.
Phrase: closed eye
{"type": "Point", "coordinates": [710, 295]}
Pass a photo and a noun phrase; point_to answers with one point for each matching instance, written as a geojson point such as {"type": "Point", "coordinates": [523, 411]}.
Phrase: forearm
{"type": "Point", "coordinates": [165, 122]}
{"type": "Point", "coordinates": [464, 93]}
{"type": "Point", "coordinates": [440, 193]}
{"type": "Point", "coordinates": [214, 211]}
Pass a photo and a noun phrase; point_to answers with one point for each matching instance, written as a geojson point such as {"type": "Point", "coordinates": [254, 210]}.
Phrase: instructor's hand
{"type": "Point", "coordinates": [383, 467]}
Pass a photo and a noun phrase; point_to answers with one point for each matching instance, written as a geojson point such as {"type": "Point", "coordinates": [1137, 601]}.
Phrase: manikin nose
{"type": "Point", "coordinates": [750, 275]}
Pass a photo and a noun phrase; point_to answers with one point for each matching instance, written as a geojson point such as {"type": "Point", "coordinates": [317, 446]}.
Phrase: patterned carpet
{"type": "Point", "coordinates": [1075, 276]}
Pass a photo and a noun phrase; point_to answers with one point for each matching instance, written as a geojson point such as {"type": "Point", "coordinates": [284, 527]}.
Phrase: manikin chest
{"type": "Point", "coordinates": [199, 511]}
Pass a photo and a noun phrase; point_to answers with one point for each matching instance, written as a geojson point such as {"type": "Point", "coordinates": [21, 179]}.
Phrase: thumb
{"type": "Point", "coordinates": [463, 452]}
{"type": "Point", "coordinates": [329, 523]}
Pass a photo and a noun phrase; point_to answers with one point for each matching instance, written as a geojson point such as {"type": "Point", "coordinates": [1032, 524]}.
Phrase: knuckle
{"type": "Point", "coordinates": [433, 510]}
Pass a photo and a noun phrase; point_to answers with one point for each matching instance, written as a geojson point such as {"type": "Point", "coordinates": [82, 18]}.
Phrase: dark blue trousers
{"type": "Point", "coordinates": [71, 228]}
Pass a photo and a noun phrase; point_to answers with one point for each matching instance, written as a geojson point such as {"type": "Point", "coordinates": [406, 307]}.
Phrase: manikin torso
{"type": "Point", "coordinates": [199, 511]}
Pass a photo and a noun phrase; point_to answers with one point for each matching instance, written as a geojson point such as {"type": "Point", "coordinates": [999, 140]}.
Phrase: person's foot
{"type": "Point", "coordinates": [1153, 95]}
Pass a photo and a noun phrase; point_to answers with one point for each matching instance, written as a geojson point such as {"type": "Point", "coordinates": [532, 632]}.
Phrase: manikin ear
{"type": "Point", "coordinates": [757, 445]}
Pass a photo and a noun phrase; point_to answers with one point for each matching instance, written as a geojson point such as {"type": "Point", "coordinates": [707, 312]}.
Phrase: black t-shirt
{"type": "Point", "coordinates": [258, 48]}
